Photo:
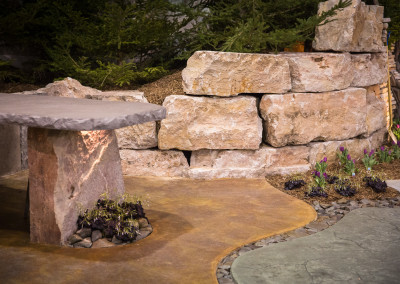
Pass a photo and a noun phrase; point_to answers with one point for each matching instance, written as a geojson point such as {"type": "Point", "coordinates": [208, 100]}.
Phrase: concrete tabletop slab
{"type": "Point", "coordinates": [74, 114]}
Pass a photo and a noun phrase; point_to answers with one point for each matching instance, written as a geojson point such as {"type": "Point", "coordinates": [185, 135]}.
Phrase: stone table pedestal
{"type": "Point", "coordinates": [73, 155]}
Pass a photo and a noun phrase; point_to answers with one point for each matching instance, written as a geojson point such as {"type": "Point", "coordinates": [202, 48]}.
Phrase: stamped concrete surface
{"type": "Point", "coordinates": [395, 184]}
{"type": "Point", "coordinates": [74, 114]}
{"type": "Point", "coordinates": [363, 247]}
{"type": "Point", "coordinates": [196, 223]}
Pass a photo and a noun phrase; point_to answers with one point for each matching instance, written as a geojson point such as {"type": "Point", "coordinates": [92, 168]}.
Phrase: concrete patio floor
{"type": "Point", "coordinates": [196, 223]}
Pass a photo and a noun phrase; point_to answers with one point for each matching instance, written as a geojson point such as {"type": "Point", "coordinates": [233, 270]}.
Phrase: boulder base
{"type": "Point", "coordinates": [68, 171]}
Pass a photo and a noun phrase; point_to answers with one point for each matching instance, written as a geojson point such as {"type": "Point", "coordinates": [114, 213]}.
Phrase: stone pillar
{"type": "Point", "coordinates": [10, 156]}
{"type": "Point", "coordinates": [68, 171]}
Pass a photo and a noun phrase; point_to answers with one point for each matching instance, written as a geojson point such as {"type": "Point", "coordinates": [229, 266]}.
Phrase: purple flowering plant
{"type": "Point", "coordinates": [342, 155]}
{"type": "Point", "coordinates": [384, 155]}
{"type": "Point", "coordinates": [320, 173]}
{"type": "Point", "coordinates": [369, 159]}
{"type": "Point", "coordinates": [396, 128]}
{"type": "Point", "coordinates": [396, 150]}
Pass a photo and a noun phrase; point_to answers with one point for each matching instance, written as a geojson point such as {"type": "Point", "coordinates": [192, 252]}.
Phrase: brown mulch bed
{"type": "Point", "coordinates": [17, 87]}
{"type": "Point", "coordinates": [155, 92]}
{"type": "Point", "coordinates": [384, 171]}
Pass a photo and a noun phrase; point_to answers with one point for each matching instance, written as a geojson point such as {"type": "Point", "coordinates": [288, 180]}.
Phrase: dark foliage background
{"type": "Point", "coordinates": [105, 43]}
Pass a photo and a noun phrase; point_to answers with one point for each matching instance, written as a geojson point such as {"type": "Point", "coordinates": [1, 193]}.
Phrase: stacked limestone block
{"type": "Point", "coordinates": [309, 104]}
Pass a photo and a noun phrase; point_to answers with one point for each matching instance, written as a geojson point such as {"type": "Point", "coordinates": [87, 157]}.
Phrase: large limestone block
{"type": "Point", "coordinates": [330, 149]}
{"type": "Point", "coordinates": [195, 123]}
{"type": "Point", "coordinates": [140, 136]}
{"type": "Point", "coordinates": [229, 73]}
{"type": "Point", "coordinates": [154, 163]}
{"type": "Point", "coordinates": [295, 119]}
{"type": "Point", "coordinates": [356, 147]}
{"type": "Point", "coordinates": [210, 164]}
{"type": "Point", "coordinates": [369, 69]}
{"type": "Point", "coordinates": [357, 28]}
{"type": "Point", "coordinates": [376, 110]}
{"type": "Point", "coordinates": [319, 72]}
{"type": "Point", "coordinates": [69, 170]}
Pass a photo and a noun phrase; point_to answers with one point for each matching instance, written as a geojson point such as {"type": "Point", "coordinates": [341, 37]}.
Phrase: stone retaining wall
{"type": "Point", "coordinates": [252, 115]}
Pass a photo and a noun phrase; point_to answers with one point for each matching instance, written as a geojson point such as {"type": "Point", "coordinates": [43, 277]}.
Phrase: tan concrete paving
{"type": "Point", "coordinates": [196, 223]}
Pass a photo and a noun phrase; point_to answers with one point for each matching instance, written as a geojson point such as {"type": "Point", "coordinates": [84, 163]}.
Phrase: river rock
{"type": "Point", "coordinates": [369, 69]}
{"type": "Point", "coordinates": [140, 136]}
{"type": "Point", "coordinates": [230, 73]}
{"type": "Point", "coordinates": [69, 170]}
{"type": "Point", "coordinates": [319, 72]}
{"type": "Point", "coordinates": [376, 110]}
{"type": "Point", "coordinates": [299, 118]}
{"type": "Point", "coordinates": [195, 123]}
{"type": "Point", "coordinates": [357, 28]}
{"type": "Point", "coordinates": [210, 164]}
{"type": "Point", "coordinates": [154, 163]}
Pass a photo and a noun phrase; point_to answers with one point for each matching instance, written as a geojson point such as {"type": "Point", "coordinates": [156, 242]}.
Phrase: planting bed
{"type": "Point", "coordinates": [111, 223]}
{"type": "Point", "coordinates": [384, 171]}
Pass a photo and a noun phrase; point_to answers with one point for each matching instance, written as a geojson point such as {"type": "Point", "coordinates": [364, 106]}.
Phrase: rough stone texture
{"type": "Point", "coordinates": [68, 169]}
{"type": "Point", "coordinates": [10, 151]}
{"type": "Point", "coordinates": [329, 149]}
{"type": "Point", "coordinates": [65, 88]}
{"type": "Point", "coordinates": [369, 69]}
{"type": "Point", "coordinates": [74, 114]}
{"type": "Point", "coordinates": [376, 110]}
{"type": "Point", "coordinates": [378, 138]}
{"type": "Point", "coordinates": [141, 136]}
{"type": "Point", "coordinates": [356, 147]}
{"type": "Point", "coordinates": [357, 28]}
{"type": "Point", "coordinates": [195, 123]}
{"type": "Point", "coordinates": [295, 119]}
{"type": "Point", "coordinates": [319, 72]}
{"type": "Point", "coordinates": [230, 73]}
{"type": "Point", "coordinates": [209, 164]}
{"type": "Point", "coordinates": [154, 163]}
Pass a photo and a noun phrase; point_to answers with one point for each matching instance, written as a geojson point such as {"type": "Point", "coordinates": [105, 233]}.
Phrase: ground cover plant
{"type": "Point", "coordinates": [117, 218]}
{"type": "Point", "coordinates": [368, 181]}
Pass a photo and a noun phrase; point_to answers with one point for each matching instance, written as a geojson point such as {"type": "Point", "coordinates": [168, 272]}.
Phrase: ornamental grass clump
{"type": "Point", "coordinates": [384, 155]}
{"type": "Point", "coordinates": [369, 159]}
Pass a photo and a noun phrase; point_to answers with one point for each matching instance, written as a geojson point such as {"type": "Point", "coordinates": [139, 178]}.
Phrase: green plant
{"type": "Point", "coordinates": [350, 166]}
{"type": "Point", "coordinates": [342, 155]}
{"type": "Point", "coordinates": [396, 128]}
{"type": "Point", "coordinates": [319, 174]}
{"type": "Point", "coordinates": [114, 217]}
{"type": "Point", "coordinates": [384, 155]}
{"type": "Point", "coordinates": [396, 150]}
{"type": "Point", "coordinates": [369, 160]}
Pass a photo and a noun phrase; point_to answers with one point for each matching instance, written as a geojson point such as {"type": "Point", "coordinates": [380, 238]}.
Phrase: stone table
{"type": "Point", "coordinates": [73, 155]}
